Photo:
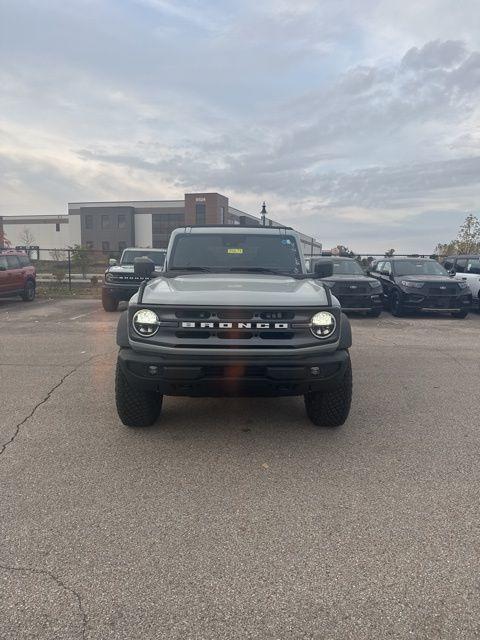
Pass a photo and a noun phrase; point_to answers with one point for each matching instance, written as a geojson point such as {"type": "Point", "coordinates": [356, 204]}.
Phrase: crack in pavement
{"type": "Point", "coordinates": [45, 572]}
{"type": "Point", "coordinates": [46, 399]}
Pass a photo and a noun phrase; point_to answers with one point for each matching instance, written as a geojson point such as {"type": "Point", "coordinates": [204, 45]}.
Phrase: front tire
{"type": "Point", "coordinates": [330, 408]}
{"type": "Point", "coordinates": [135, 408]}
{"type": "Point", "coordinates": [460, 314]}
{"type": "Point", "coordinates": [108, 302]}
{"type": "Point", "coordinates": [28, 294]}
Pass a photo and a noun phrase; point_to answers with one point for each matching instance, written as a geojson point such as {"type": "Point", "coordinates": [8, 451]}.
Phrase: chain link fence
{"type": "Point", "coordinates": [71, 265]}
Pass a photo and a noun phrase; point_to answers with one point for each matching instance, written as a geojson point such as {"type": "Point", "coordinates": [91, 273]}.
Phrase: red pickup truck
{"type": "Point", "coordinates": [17, 275]}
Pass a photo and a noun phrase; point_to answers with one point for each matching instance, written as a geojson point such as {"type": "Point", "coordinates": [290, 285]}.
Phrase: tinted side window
{"type": "Point", "coordinates": [13, 262]}
{"type": "Point", "coordinates": [387, 267]}
{"type": "Point", "coordinates": [473, 265]}
{"type": "Point", "coordinates": [24, 261]}
{"type": "Point", "coordinates": [3, 261]}
{"type": "Point", "coordinates": [461, 265]}
{"type": "Point", "coordinates": [379, 267]}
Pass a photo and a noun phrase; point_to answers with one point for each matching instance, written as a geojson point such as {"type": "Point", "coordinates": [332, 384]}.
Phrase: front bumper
{"type": "Point", "coordinates": [447, 303]}
{"type": "Point", "coordinates": [233, 375]}
{"type": "Point", "coordinates": [359, 302]}
{"type": "Point", "coordinates": [120, 291]}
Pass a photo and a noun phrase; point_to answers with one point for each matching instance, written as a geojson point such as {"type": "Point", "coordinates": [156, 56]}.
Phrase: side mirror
{"type": "Point", "coordinates": [323, 269]}
{"type": "Point", "coordinates": [143, 267]}
{"type": "Point", "coordinates": [112, 262]}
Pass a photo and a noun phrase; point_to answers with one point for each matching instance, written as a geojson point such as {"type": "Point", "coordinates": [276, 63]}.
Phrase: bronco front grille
{"type": "Point", "coordinates": [240, 328]}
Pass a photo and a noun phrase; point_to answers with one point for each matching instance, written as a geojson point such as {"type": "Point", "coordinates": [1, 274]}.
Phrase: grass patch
{"type": "Point", "coordinates": [61, 290]}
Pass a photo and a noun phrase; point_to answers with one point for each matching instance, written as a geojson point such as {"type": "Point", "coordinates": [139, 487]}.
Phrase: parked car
{"type": "Point", "coordinates": [466, 268]}
{"type": "Point", "coordinates": [415, 284]}
{"type": "Point", "coordinates": [351, 286]}
{"type": "Point", "coordinates": [120, 281]}
{"type": "Point", "coordinates": [234, 313]}
{"type": "Point", "coordinates": [17, 275]}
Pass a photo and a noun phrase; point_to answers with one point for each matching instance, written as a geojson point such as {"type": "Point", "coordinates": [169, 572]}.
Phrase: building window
{"type": "Point", "coordinates": [122, 246]}
{"type": "Point", "coordinates": [105, 222]}
{"type": "Point", "coordinates": [222, 215]}
{"type": "Point", "coordinates": [89, 221]}
{"type": "Point", "coordinates": [105, 245]}
{"type": "Point", "coordinates": [57, 226]}
{"type": "Point", "coordinates": [200, 214]}
{"type": "Point", "coordinates": [162, 226]}
{"type": "Point", "coordinates": [122, 221]}
{"type": "Point", "coordinates": [89, 244]}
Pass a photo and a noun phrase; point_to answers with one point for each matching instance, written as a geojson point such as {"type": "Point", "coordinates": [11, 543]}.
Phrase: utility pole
{"type": "Point", "coordinates": [263, 214]}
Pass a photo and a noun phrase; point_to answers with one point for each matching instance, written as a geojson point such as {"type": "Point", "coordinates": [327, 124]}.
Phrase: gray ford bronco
{"type": "Point", "coordinates": [234, 313]}
{"type": "Point", "coordinates": [120, 282]}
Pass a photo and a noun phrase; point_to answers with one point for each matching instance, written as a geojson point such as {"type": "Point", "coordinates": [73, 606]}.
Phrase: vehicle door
{"type": "Point", "coordinates": [376, 272]}
{"type": "Point", "coordinates": [468, 270]}
{"type": "Point", "coordinates": [4, 275]}
{"type": "Point", "coordinates": [386, 278]}
{"type": "Point", "coordinates": [14, 269]}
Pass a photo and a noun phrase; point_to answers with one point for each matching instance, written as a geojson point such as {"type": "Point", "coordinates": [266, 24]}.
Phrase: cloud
{"type": "Point", "coordinates": [355, 120]}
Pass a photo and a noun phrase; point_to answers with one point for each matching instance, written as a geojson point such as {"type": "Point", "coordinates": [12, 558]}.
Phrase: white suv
{"type": "Point", "coordinates": [466, 268]}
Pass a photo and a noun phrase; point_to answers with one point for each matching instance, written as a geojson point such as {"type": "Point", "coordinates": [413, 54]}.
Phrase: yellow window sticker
{"type": "Point", "coordinates": [234, 250]}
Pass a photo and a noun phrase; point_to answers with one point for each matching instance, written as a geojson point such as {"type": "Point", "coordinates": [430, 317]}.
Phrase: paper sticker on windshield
{"type": "Point", "coordinates": [234, 250]}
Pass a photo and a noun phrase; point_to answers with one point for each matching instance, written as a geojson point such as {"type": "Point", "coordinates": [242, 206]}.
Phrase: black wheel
{"type": "Point", "coordinates": [396, 305]}
{"type": "Point", "coordinates": [135, 408]}
{"type": "Point", "coordinates": [460, 314]}
{"type": "Point", "coordinates": [109, 303]}
{"type": "Point", "coordinates": [28, 294]}
{"type": "Point", "coordinates": [331, 408]}
{"type": "Point", "coordinates": [374, 313]}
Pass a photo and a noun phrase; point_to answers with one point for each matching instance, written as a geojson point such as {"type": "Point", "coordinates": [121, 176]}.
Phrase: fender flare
{"type": "Point", "coordinates": [122, 330]}
{"type": "Point", "coordinates": [345, 333]}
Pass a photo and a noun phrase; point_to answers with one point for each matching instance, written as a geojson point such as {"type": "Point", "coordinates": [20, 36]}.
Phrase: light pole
{"type": "Point", "coordinates": [263, 214]}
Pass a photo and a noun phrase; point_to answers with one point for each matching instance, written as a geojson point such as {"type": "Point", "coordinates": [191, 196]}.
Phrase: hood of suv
{"type": "Point", "coordinates": [427, 279]}
{"type": "Point", "coordinates": [236, 290]}
{"type": "Point", "coordinates": [127, 268]}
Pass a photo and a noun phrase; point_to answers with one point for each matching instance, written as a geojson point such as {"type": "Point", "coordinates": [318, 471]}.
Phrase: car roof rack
{"type": "Point", "coordinates": [233, 226]}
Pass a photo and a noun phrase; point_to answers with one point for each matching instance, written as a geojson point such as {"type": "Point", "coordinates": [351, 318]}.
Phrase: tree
{"type": "Point", "coordinates": [467, 240]}
{"type": "Point", "coordinates": [342, 250]}
{"type": "Point", "coordinates": [26, 237]}
{"type": "Point", "coordinates": [4, 241]}
{"type": "Point", "coordinates": [81, 258]}
{"type": "Point", "coordinates": [59, 267]}
{"type": "Point", "coordinates": [389, 253]}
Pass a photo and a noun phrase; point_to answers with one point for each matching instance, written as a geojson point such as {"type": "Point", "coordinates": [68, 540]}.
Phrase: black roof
{"type": "Point", "coordinates": [400, 258]}
{"type": "Point", "coordinates": [330, 258]}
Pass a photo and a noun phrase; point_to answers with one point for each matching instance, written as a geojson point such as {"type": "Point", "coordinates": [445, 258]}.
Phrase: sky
{"type": "Point", "coordinates": [357, 122]}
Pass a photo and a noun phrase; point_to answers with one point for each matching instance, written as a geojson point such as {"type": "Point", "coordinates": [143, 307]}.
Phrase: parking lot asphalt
{"type": "Point", "coordinates": [236, 518]}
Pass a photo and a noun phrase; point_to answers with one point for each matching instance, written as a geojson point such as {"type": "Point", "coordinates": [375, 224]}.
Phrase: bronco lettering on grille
{"type": "Point", "coordinates": [235, 325]}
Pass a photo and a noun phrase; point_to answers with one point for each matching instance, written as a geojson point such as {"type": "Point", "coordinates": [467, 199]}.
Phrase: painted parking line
{"type": "Point", "coordinates": [82, 315]}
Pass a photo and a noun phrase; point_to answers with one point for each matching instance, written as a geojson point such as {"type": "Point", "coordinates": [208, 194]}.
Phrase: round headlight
{"type": "Point", "coordinates": [109, 277]}
{"type": "Point", "coordinates": [323, 324]}
{"type": "Point", "coordinates": [145, 322]}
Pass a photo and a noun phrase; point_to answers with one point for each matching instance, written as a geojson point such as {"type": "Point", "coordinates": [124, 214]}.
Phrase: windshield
{"type": "Point", "coordinates": [158, 257]}
{"type": "Point", "coordinates": [347, 267]}
{"type": "Point", "coordinates": [419, 268]}
{"type": "Point", "coordinates": [232, 252]}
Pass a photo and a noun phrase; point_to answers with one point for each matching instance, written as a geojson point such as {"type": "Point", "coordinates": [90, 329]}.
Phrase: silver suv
{"type": "Point", "coordinates": [233, 313]}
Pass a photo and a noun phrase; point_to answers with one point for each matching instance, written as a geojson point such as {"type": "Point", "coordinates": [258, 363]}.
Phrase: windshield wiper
{"type": "Point", "coordinates": [189, 269]}
{"type": "Point", "coordinates": [274, 272]}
